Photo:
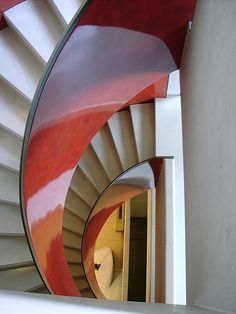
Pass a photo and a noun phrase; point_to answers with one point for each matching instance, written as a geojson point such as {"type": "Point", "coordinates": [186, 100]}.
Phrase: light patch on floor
{"type": "Point", "coordinates": [114, 291]}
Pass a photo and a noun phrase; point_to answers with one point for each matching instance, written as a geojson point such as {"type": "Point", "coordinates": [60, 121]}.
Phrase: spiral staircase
{"type": "Point", "coordinates": [30, 31]}
{"type": "Point", "coordinates": [27, 42]}
{"type": "Point", "coordinates": [123, 142]}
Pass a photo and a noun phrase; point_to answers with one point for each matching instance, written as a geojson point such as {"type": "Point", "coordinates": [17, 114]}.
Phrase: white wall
{"type": "Point", "coordinates": [209, 125]}
{"type": "Point", "coordinates": [169, 144]}
{"type": "Point", "coordinates": [28, 303]}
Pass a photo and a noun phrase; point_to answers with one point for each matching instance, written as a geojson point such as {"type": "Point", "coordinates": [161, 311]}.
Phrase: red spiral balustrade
{"type": "Point", "coordinates": [108, 62]}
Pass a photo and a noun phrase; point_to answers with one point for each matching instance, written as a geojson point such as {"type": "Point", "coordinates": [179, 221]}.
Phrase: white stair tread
{"type": "Point", "coordinates": [83, 187]}
{"type": "Point", "coordinates": [20, 279]}
{"type": "Point", "coordinates": [73, 223]}
{"type": "Point", "coordinates": [9, 182]}
{"type": "Point", "coordinates": [92, 168]}
{"type": "Point", "coordinates": [47, 29]}
{"type": "Point", "coordinates": [15, 250]}
{"type": "Point", "coordinates": [104, 147]}
{"type": "Point", "coordinates": [123, 136]}
{"type": "Point", "coordinates": [18, 59]}
{"type": "Point", "coordinates": [14, 110]}
{"type": "Point", "coordinates": [173, 83]}
{"type": "Point", "coordinates": [77, 205]}
{"type": "Point", "coordinates": [10, 150]}
{"type": "Point", "coordinates": [10, 219]}
{"type": "Point", "coordinates": [67, 9]}
{"type": "Point", "coordinates": [143, 119]}
{"type": "Point", "coordinates": [76, 270]}
{"type": "Point", "coordinates": [72, 240]}
{"type": "Point", "coordinates": [168, 126]}
{"type": "Point", "coordinates": [73, 256]}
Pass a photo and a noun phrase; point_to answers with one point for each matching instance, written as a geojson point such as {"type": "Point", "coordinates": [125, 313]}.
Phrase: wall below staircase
{"type": "Point", "coordinates": [209, 127]}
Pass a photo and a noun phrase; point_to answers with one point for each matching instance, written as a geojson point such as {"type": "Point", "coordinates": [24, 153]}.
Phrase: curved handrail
{"type": "Point", "coordinates": [29, 124]}
{"type": "Point", "coordinates": [117, 65]}
{"type": "Point", "coordinates": [119, 191]}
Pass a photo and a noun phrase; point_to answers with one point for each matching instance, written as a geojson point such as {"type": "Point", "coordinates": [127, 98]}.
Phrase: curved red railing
{"type": "Point", "coordinates": [106, 63]}
{"type": "Point", "coordinates": [120, 191]}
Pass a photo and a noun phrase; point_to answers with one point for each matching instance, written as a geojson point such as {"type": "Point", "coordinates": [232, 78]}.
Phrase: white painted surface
{"type": "Point", "coordinates": [19, 279]}
{"type": "Point", "coordinates": [173, 87]}
{"type": "Point", "coordinates": [82, 186]}
{"type": "Point", "coordinates": [35, 31]}
{"type": "Point", "coordinates": [152, 250]}
{"type": "Point", "coordinates": [143, 120]}
{"type": "Point", "coordinates": [17, 59]}
{"type": "Point", "coordinates": [104, 274]}
{"type": "Point", "coordinates": [10, 219]}
{"type": "Point", "coordinates": [73, 222]}
{"type": "Point", "coordinates": [66, 9]}
{"type": "Point", "coordinates": [123, 136]}
{"type": "Point", "coordinates": [169, 230]}
{"type": "Point", "coordinates": [126, 248]}
{"type": "Point", "coordinates": [72, 240]}
{"type": "Point", "coordinates": [104, 147]}
{"type": "Point", "coordinates": [25, 303]}
{"type": "Point", "coordinates": [209, 128]}
{"type": "Point", "coordinates": [169, 143]}
{"type": "Point", "coordinates": [77, 205]}
{"type": "Point", "coordinates": [15, 250]}
{"type": "Point", "coordinates": [34, 22]}
{"type": "Point", "coordinates": [10, 150]}
{"type": "Point", "coordinates": [9, 185]}
{"type": "Point", "coordinates": [14, 110]}
{"type": "Point", "coordinates": [92, 167]}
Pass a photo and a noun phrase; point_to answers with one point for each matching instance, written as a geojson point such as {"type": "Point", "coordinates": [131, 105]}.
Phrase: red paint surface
{"type": "Point", "coordinates": [167, 20]}
{"type": "Point", "coordinates": [159, 89]}
{"type": "Point", "coordinates": [2, 20]}
{"type": "Point", "coordinates": [156, 165]}
{"type": "Point", "coordinates": [7, 4]}
{"type": "Point", "coordinates": [4, 6]}
{"type": "Point", "coordinates": [50, 252]}
{"type": "Point", "coordinates": [99, 71]}
{"type": "Point", "coordinates": [93, 230]}
{"type": "Point", "coordinates": [56, 263]}
{"type": "Point", "coordinates": [73, 107]}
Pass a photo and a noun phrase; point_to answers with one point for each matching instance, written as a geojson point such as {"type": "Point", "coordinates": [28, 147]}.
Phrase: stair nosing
{"type": "Point", "coordinates": [19, 92]}
{"type": "Point", "coordinates": [72, 248]}
{"type": "Point", "coordinates": [6, 202]}
{"type": "Point", "coordinates": [25, 41]}
{"type": "Point", "coordinates": [42, 285]}
{"type": "Point", "coordinates": [74, 214]}
{"type": "Point", "coordinates": [58, 14]}
{"type": "Point", "coordinates": [12, 235]}
{"type": "Point", "coordinates": [16, 265]}
{"type": "Point", "coordinates": [16, 171]}
{"type": "Point", "coordinates": [73, 232]}
{"type": "Point", "coordinates": [75, 191]}
{"type": "Point", "coordinates": [10, 132]}
{"type": "Point", "coordinates": [101, 164]}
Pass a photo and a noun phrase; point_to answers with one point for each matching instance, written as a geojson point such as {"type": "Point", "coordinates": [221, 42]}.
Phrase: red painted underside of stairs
{"type": "Point", "coordinates": [167, 20]}
{"type": "Point", "coordinates": [99, 71]}
{"type": "Point", "coordinates": [4, 6]}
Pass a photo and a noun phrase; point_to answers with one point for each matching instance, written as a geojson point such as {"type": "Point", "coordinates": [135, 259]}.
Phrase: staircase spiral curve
{"type": "Point", "coordinates": [30, 32]}
{"type": "Point", "coordinates": [81, 135]}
